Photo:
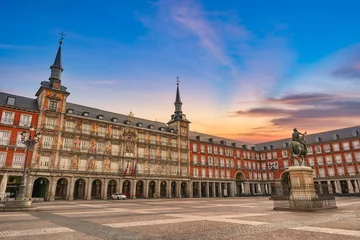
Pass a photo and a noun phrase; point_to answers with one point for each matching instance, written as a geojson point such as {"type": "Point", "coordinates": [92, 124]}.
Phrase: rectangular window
{"type": "Point", "coordinates": [116, 134]}
{"type": "Point", "coordinates": [44, 161]}
{"type": "Point", "coordinates": [336, 147]}
{"type": "Point", "coordinates": [356, 144]}
{"type": "Point", "coordinates": [221, 151]}
{"type": "Point", "coordinates": [215, 150]}
{"type": "Point", "coordinates": [18, 160]}
{"type": "Point", "coordinates": [331, 172]}
{"type": "Point", "coordinates": [203, 173]}
{"type": "Point", "coordinates": [263, 166]}
{"type": "Point", "coordinates": [100, 148]}
{"type": "Point", "coordinates": [350, 170]}
{"type": "Point", "coordinates": [346, 145]}
{"type": "Point", "coordinates": [284, 153]}
{"type": "Point", "coordinates": [320, 160]}
{"type": "Point", "coordinates": [226, 152]}
{"type": "Point", "coordinates": [348, 157]}
{"type": "Point", "coordinates": [209, 149]}
{"type": "Point", "coordinates": [210, 160]}
{"type": "Point", "coordinates": [203, 160]}
{"type": "Point", "coordinates": [196, 172]}
{"type": "Point", "coordinates": [86, 129]}
{"type": "Point", "coordinates": [114, 149]}
{"type": "Point", "coordinates": [50, 123]}
{"type": "Point", "coordinates": [222, 164]}
{"type": "Point", "coordinates": [2, 159]}
{"type": "Point", "coordinates": [322, 172]}
{"type": "Point", "coordinates": [173, 142]}
{"type": "Point", "coordinates": [202, 148]}
{"type": "Point", "coordinates": [268, 155]}
{"type": "Point", "coordinates": [152, 153]}
{"type": "Point", "coordinates": [4, 137]}
{"type": "Point", "coordinates": [101, 131]}
{"type": "Point", "coordinates": [340, 171]}
{"type": "Point", "coordinates": [227, 162]}
{"type": "Point", "coordinates": [18, 140]}
{"type": "Point", "coordinates": [328, 159]}
{"type": "Point", "coordinates": [263, 156]}
{"type": "Point", "coordinates": [338, 158]}
{"type": "Point", "coordinates": [231, 152]}
{"type": "Point", "coordinates": [47, 142]}
{"type": "Point", "coordinates": [69, 126]}
{"type": "Point", "coordinates": [248, 155]}
{"type": "Point", "coordinates": [231, 163]}
{"type": "Point", "coordinates": [286, 164]}
{"type": "Point", "coordinates": [7, 117]}
{"type": "Point", "coordinates": [309, 150]}
{"type": "Point", "coordinates": [264, 175]}
{"type": "Point", "coordinates": [64, 162]}
{"type": "Point", "coordinates": [238, 153]}
{"type": "Point", "coordinates": [25, 120]}
{"type": "Point", "coordinates": [318, 149]}
{"type": "Point", "coordinates": [274, 155]}
{"type": "Point", "coordinates": [357, 156]}
{"type": "Point", "coordinates": [84, 146]}
{"type": "Point", "coordinates": [210, 173]}
{"type": "Point", "coordinates": [311, 161]}
{"type": "Point", "coordinates": [216, 173]}
{"type": "Point", "coordinates": [67, 144]}
{"type": "Point", "coordinates": [222, 173]}
{"type": "Point", "coordinates": [163, 141]}
{"type": "Point", "coordinates": [52, 106]}
{"type": "Point", "coordinates": [228, 174]}
{"type": "Point", "coordinates": [195, 159]}
{"type": "Point", "coordinates": [326, 148]}
{"type": "Point", "coordinates": [216, 161]}
{"type": "Point", "coordinates": [152, 139]}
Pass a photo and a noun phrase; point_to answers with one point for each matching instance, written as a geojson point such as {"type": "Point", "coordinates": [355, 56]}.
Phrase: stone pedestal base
{"type": "Point", "coordinates": [18, 205]}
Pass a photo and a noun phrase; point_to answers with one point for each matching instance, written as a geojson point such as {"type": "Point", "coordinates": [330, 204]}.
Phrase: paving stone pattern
{"type": "Point", "coordinates": [211, 219]}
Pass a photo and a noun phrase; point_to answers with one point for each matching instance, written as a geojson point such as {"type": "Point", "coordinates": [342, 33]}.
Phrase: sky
{"type": "Point", "coordinates": [249, 70]}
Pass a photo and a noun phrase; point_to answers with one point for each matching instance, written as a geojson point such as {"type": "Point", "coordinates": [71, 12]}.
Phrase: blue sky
{"type": "Point", "coordinates": [249, 70]}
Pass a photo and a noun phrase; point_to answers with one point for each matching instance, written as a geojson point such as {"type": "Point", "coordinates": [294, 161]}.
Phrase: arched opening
{"type": "Point", "coordinates": [195, 190]}
{"type": "Point", "coordinates": [111, 188]}
{"type": "Point", "coordinates": [240, 178]}
{"type": "Point", "coordinates": [173, 189]}
{"type": "Point", "coordinates": [96, 189]}
{"type": "Point", "coordinates": [40, 188]}
{"type": "Point", "coordinates": [61, 189]}
{"type": "Point", "coordinates": [163, 189]}
{"type": "Point", "coordinates": [183, 189]}
{"type": "Point", "coordinates": [139, 189]}
{"type": "Point", "coordinates": [286, 185]}
{"type": "Point", "coordinates": [152, 189]}
{"type": "Point", "coordinates": [79, 189]}
{"type": "Point", "coordinates": [126, 188]}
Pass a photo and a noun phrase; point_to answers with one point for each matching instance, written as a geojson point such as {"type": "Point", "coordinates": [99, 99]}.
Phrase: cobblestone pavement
{"type": "Point", "coordinates": [230, 218]}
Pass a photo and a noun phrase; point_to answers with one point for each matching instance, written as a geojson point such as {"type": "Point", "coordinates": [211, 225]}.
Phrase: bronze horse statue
{"type": "Point", "coordinates": [299, 151]}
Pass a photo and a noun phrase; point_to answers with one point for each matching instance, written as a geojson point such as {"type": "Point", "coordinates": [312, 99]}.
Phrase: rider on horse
{"type": "Point", "coordinates": [299, 137]}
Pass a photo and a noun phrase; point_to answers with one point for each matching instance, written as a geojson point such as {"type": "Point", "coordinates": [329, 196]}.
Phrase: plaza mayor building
{"type": "Point", "coordinates": [89, 153]}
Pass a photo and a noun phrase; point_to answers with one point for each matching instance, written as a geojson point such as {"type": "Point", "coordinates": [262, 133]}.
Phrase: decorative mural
{"type": "Point", "coordinates": [108, 147]}
{"type": "Point", "coordinates": [92, 148]}
{"type": "Point", "coordinates": [78, 125]}
{"type": "Point", "coordinates": [130, 145]}
{"type": "Point", "coordinates": [107, 163]}
{"type": "Point", "coordinates": [74, 162]}
{"type": "Point", "coordinates": [91, 163]}
{"type": "Point", "coordinates": [76, 143]}
{"type": "Point", "coordinates": [109, 131]}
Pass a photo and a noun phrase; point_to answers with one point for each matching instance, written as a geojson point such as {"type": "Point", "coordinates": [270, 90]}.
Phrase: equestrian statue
{"type": "Point", "coordinates": [297, 148]}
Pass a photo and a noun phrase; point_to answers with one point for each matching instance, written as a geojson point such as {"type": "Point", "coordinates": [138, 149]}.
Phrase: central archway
{"type": "Point", "coordinates": [61, 189]}
{"type": "Point", "coordinates": [96, 189]}
{"type": "Point", "coordinates": [126, 188]}
{"type": "Point", "coordinates": [139, 189]}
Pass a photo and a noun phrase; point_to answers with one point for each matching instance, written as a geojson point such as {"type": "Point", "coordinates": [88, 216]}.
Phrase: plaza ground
{"type": "Point", "coordinates": [226, 218]}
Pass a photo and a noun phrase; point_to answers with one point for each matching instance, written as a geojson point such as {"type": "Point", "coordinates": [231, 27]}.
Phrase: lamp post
{"type": "Point", "coordinates": [273, 166]}
{"type": "Point", "coordinates": [29, 139]}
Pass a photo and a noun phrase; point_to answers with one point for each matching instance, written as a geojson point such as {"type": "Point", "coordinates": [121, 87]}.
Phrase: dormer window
{"type": "Point", "coordinates": [139, 124]}
{"type": "Point", "coordinates": [211, 140]}
{"type": "Point", "coordinates": [286, 144]}
{"type": "Point", "coordinates": [253, 148]}
{"type": "Point", "coordinates": [161, 128]}
{"type": "Point", "coordinates": [355, 133]}
{"type": "Point", "coordinates": [100, 117]}
{"type": "Point", "coordinates": [271, 147]}
{"type": "Point", "coordinates": [243, 146]}
{"type": "Point", "coordinates": [85, 114]}
{"type": "Point", "coordinates": [151, 126]}
{"type": "Point", "coordinates": [265, 148]}
{"type": "Point", "coordinates": [233, 144]}
{"type": "Point", "coordinates": [198, 138]}
{"type": "Point", "coordinates": [10, 101]}
{"type": "Point", "coordinates": [318, 139]}
{"type": "Point", "coordinates": [335, 136]}
{"type": "Point", "coordinates": [223, 142]}
{"type": "Point", "coordinates": [127, 122]}
{"type": "Point", "coordinates": [70, 111]}
{"type": "Point", "coordinates": [172, 130]}
{"type": "Point", "coordinates": [114, 119]}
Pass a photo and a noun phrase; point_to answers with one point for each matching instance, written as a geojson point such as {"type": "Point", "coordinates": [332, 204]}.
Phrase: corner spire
{"type": "Point", "coordinates": [178, 102]}
{"type": "Point", "coordinates": [56, 68]}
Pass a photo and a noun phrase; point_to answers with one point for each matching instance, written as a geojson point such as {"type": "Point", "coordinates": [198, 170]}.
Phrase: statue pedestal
{"type": "Point", "coordinates": [303, 196]}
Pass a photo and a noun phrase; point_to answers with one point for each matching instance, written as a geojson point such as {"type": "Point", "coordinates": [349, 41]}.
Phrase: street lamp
{"type": "Point", "coordinates": [273, 166]}
{"type": "Point", "coordinates": [29, 139]}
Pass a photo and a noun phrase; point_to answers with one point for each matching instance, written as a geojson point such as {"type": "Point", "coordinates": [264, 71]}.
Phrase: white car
{"type": "Point", "coordinates": [118, 196]}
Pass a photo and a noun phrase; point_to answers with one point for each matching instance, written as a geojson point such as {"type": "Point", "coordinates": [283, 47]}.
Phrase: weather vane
{"type": "Point", "coordinates": [62, 36]}
{"type": "Point", "coordinates": [177, 80]}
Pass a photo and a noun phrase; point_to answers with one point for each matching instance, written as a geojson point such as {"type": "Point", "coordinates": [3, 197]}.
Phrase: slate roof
{"type": "Point", "coordinates": [343, 133]}
{"type": "Point", "coordinates": [21, 102]}
{"type": "Point", "coordinates": [107, 116]}
{"type": "Point", "coordinates": [205, 138]}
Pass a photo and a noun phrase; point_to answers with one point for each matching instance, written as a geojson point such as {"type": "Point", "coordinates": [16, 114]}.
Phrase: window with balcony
{"type": "Point", "coordinates": [227, 152]}
{"type": "Point", "coordinates": [163, 154]}
{"type": "Point", "coordinates": [195, 159]}
{"type": "Point", "coordinates": [203, 160]}
{"type": "Point", "coordinates": [209, 149]}
{"type": "Point", "coordinates": [338, 158]}
{"type": "Point", "coordinates": [311, 161]}
{"type": "Point", "coordinates": [271, 175]}
{"type": "Point", "coordinates": [64, 162]}
{"type": "Point", "coordinates": [18, 141]}
{"type": "Point", "coordinates": [268, 155]}
{"type": "Point", "coordinates": [152, 139]}
{"type": "Point", "coordinates": [252, 155]}
{"type": "Point", "coordinates": [228, 174]}
{"type": "Point", "coordinates": [356, 144]}
{"type": "Point", "coordinates": [245, 164]}
{"type": "Point", "coordinates": [50, 123]}
{"type": "Point", "coordinates": [221, 151]}
{"type": "Point", "coordinates": [263, 156]}
{"type": "Point", "coordinates": [115, 149]}
{"type": "Point", "coordinates": [222, 173]}
{"type": "Point", "coordinates": [320, 160]}
{"type": "Point", "coordinates": [2, 159]}
{"type": "Point", "coordinates": [69, 126]}
{"type": "Point", "coordinates": [331, 171]}
{"type": "Point", "coordinates": [100, 147]}
{"type": "Point", "coordinates": [44, 161]}
{"type": "Point", "coordinates": [86, 128]}
{"type": "Point", "coordinates": [222, 163]}
{"type": "Point", "coordinates": [47, 142]}
{"type": "Point", "coordinates": [202, 148]}
{"type": "Point", "coordinates": [101, 131]}
{"type": "Point", "coordinates": [238, 153]}
{"type": "Point", "coordinates": [163, 141]}
{"type": "Point", "coordinates": [248, 155]}
{"type": "Point", "coordinates": [52, 106]}
{"type": "Point", "coordinates": [328, 159]}
{"type": "Point", "coordinates": [67, 144]}
{"type": "Point", "coordinates": [210, 173]}
{"type": "Point", "coordinates": [227, 162]}
{"type": "Point", "coordinates": [284, 153]}
{"type": "Point", "coordinates": [232, 163]}
{"type": "Point", "coordinates": [173, 142]}
{"type": "Point", "coordinates": [7, 117]}
{"type": "Point", "coordinates": [250, 175]}
{"type": "Point", "coordinates": [264, 176]}
{"type": "Point", "coordinates": [196, 172]}
{"type": "Point", "coordinates": [357, 156]}
{"type": "Point", "coordinates": [309, 150]}
{"type": "Point", "coordinates": [18, 160]}
{"type": "Point", "coordinates": [346, 146]}
{"type": "Point", "coordinates": [216, 161]}
{"type": "Point", "coordinates": [263, 166]}
{"type": "Point", "coordinates": [183, 144]}
{"type": "Point", "coordinates": [203, 172]}
{"type": "Point", "coordinates": [317, 149]}
{"type": "Point", "coordinates": [25, 120]}
{"type": "Point", "coordinates": [340, 171]}
{"type": "Point", "coordinates": [215, 150]}
{"type": "Point", "coordinates": [116, 134]}
{"type": "Point", "coordinates": [4, 137]}
{"type": "Point", "coordinates": [336, 147]}
{"type": "Point", "coordinates": [152, 153]}
{"type": "Point", "coordinates": [350, 170]}
{"type": "Point", "coordinates": [326, 148]}
{"type": "Point", "coordinates": [194, 147]}
{"type": "Point", "coordinates": [348, 157]}
{"type": "Point", "coordinates": [322, 172]}
{"type": "Point", "coordinates": [84, 146]}
{"type": "Point", "coordinates": [216, 173]}
{"type": "Point", "coordinates": [286, 164]}
{"type": "Point", "coordinates": [274, 154]}
{"type": "Point", "coordinates": [257, 156]}
{"type": "Point", "coordinates": [210, 160]}
{"type": "Point", "coordinates": [238, 163]}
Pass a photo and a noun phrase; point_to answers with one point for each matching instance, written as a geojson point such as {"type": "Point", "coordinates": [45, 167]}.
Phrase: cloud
{"type": "Point", "coordinates": [350, 65]}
